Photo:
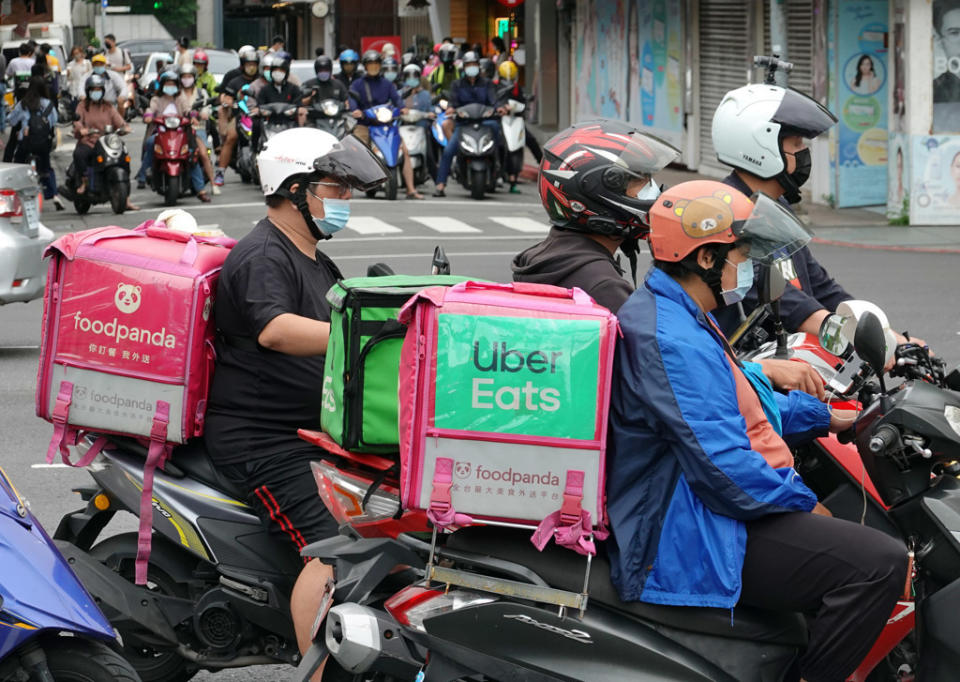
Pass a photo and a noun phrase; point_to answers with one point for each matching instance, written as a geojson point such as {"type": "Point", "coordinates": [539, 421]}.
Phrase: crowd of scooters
{"type": "Point", "coordinates": [454, 112]}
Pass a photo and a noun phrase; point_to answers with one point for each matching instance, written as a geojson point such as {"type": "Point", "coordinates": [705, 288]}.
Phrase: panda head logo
{"type": "Point", "coordinates": [462, 469]}
{"type": "Point", "coordinates": [127, 298]}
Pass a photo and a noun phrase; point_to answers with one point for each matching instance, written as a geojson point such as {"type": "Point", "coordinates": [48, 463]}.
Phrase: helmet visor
{"type": "Point", "coordinates": [352, 162]}
{"type": "Point", "coordinates": [803, 116]}
{"type": "Point", "coordinates": [637, 152]}
{"type": "Point", "coordinates": [772, 232]}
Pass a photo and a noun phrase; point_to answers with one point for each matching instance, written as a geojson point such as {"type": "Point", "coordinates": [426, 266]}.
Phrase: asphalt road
{"type": "Point", "coordinates": [915, 289]}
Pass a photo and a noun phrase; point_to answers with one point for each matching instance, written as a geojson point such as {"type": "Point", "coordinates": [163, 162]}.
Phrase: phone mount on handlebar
{"type": "Point", "coordinates": [772, 64]}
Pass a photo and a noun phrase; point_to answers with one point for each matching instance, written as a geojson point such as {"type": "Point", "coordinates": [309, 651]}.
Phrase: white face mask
{"type": "Point", "coordinates": [649, 192]}
{"type": "Point", "coordinates": [186, 82]}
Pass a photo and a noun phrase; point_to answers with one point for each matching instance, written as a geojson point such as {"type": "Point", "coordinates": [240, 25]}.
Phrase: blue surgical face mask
{"type": "Point", "coordinates": [96, 95]}
{"type": "Point", "coordinates": [744, 282]}
{"type": "Point", "coordinates": [323, 76]}
{"type": "Point", "coordinates": [170, 90]}
{"type": "Point", "coordinates": [390, 75]}
{"type": "Point", "coordinates": [336, 213]}
{"type": "Point", "coordinates": [649, 192]}
{"type": "Point", "coordinates": [472, 71]}
{"type": "Point", "coordinates": [99, 70]}
{"type": "Point", "coordinates": [412, 82]}
{"type": "Point", "coordinates": [266, 76]}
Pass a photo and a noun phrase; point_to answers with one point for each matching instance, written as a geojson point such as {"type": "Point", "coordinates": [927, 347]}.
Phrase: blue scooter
{"type": "Point", "coordinates": [383, 122]}
{"type": "Point", "coordinates": [50, 628]}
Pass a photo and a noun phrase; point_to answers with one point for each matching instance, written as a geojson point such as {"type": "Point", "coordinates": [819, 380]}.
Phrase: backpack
{"type": "Point", "coordinates": [39, 137]}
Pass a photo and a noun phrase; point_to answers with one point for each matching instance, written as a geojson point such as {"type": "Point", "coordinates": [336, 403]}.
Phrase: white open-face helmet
{"type": "Point", "coordinates": [299, 155]}
{"type": "Point", "coordinates": [751, 121]}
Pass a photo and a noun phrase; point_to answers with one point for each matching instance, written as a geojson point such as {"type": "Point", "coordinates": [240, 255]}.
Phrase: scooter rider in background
{"type": "Point", "coordinates": [273, 321]}
{"type": "Point", "coordinates": [373, 90]}
{"type": "Point", "coordinates": [169, 102]}
{"type": "Point", "coordinates": [760, 130]}
{"type": "Point", "coordinates": [194, 96]}
{"type": "Point", "coordinates": [704, 504]}
{"type": "Point", "coordinates": [445, 74]}
{"type": "Point", "coordinates": [206, 81]}
{"type": "Point", "coordinates": [472, 88]}
{"type": "Point", "coordinates": [348, 67]}
{"type": "Point", "coordinates": [324, 86]}
{"type": "Point", "coordinates": [230, 90]}
{"type": "Point", "coordinates": [508, 87]}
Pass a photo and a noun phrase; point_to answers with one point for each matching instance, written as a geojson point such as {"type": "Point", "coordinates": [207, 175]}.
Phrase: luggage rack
{"type": "Point", "coordinates": [563, 599]}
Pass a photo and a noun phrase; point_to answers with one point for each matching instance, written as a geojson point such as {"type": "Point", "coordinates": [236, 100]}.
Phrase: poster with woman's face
{"type": "Point", "coordinates": [935, 196]}
{"type": "Point", "coordinates": [946, 66]}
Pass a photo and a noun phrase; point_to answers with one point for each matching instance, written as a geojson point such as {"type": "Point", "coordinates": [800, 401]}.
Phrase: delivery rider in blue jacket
{"type": "Point", "coordinates": [704, 504]}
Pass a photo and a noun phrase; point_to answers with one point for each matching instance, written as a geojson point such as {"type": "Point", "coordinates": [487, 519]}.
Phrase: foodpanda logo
{"type": "Point", "coordinates": [462, 469]}
{"type": "Point", "coordinates": [127, 298]}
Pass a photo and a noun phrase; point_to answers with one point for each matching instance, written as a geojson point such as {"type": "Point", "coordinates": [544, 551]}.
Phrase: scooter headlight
{"type": "Point", "coordinates": [952, 415]}
{"type": "Point", "coordinates": [486, 143]}
{"type": "Point", "coordinates": [468, 144]}
{"type": "Point", "coordinates": [171, 122]}
{"type": "Point", "coordinates": [384, 115]}
{"type": "Point", "coordinates": [330, 107]}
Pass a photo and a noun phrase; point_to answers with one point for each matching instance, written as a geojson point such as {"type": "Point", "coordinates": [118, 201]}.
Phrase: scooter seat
{"type": "Point", "coordinates": [193, 460]}
{"type": "Point", "coordinates": [564, 569]}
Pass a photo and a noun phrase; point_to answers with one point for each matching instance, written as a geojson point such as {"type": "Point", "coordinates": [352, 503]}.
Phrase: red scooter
{"type": "Point", "coordinates": [173, 157]}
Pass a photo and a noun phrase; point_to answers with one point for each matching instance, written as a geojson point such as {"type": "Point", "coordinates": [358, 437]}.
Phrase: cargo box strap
{"type": "Point", "coordinates": [441, 512]}
{"type": "Point", "coordinates": [65, 436]}
{"type": "Point", "coordinates": [570, 526]}
{"type": "Point", "coordinates": [157, 456]}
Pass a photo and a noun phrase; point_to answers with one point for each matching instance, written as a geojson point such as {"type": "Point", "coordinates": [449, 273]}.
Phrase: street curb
{"type": "Point", "coordinates": [885, 247]}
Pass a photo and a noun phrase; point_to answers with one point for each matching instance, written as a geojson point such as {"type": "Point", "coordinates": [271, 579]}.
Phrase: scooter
{"type": "Point", "coordinates": [490, 604]}
{"type": "Point", "coordinates": [383, 123]}
{"type": "Point", "coordinates": [328, 115]}
{"type": "Point", "coordinates": [476, 165]}
{"type": "Point", "coordinates": [415, 139]}
{"type": "Point", "coordinates": [108, 175]}
{"type": "Point", "coordinates": [173, 158]}
{"type": "Point", "coordinates": [514, 136]}
{"type": "Point", "coordinates": [275, 118]}
{"type": "Point", "coordinates": [51, 627]}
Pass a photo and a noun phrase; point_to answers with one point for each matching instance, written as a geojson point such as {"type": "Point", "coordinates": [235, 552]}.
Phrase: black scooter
{"type": "Point", "coordinates": [328, 115]}
{"type": "Point", "coordinates": [490, 604]}
{"type": "Point", "coordinates": [477, 162]}
{"type": "Point", "coordinates": [108, 175]}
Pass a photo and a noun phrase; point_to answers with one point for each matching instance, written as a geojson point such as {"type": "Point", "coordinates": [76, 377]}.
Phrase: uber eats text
{"type": "Point", "coordinates": [511, 397]}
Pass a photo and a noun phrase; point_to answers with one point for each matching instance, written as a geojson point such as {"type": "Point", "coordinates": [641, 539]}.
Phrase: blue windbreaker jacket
{"type": "Point", "coordinates": [681, 475]}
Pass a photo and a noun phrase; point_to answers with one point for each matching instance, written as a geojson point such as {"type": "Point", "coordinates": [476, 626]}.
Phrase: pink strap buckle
{"type": "Point", "coordinates": [570, 526]}
{"type": "Point", "coordinates": [156, 457]}
{"type": "Point", "coordinates": [441, 512]}
{"type": "Point", "coordinates": [62, 434]}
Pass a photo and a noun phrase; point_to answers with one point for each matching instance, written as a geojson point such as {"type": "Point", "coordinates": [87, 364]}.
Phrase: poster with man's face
{"type": "Point", "coordinates": [946, 66]}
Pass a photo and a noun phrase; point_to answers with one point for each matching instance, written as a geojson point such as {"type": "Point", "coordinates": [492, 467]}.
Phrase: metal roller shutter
{"type": "Point", "coordinates": [725, 54]}
{"type": "Point", "coordinates": [800, 32]}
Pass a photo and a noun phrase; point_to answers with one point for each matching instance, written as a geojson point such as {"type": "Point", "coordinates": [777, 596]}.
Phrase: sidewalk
{"type": "Point", "coordinates": [853, 227]}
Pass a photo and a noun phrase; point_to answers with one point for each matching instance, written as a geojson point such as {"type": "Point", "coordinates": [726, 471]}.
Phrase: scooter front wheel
{"type": "Point", "coordinates": [118, 197]}
{"type": "Point", "coordinates": [71, 659]}
{"type": "Point", "coordinates": [171, 192]}
{"type": "Point", "coordinates": [393, 183]}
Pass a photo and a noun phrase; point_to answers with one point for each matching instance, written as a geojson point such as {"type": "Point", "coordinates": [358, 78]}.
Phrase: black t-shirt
{"type": "Point", "coordinates": [287, 94]}
{"type": "Point", "coordinates": [259, 398]}
{"type": "Point", "coordinates": [331, 89]}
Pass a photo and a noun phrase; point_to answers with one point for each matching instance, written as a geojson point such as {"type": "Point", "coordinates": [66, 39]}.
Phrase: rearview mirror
{"type": "Point", "coordinates": [870, 342]}
{"type": "Point", "coordinates": [770, 284]}
{"type": "Point", "coordinates": [831, 335]}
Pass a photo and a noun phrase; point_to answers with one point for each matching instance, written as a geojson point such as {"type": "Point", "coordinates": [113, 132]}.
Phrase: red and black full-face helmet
{"type": "Point", "coordinates": [585, 172]}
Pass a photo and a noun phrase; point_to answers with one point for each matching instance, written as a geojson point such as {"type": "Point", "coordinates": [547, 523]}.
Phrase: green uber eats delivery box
{"type": "Point", "coordinates": [363, 358]}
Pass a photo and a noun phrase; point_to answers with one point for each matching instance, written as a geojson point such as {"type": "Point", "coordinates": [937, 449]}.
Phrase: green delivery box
{"type": "Point", "coordinates": [363, 358]}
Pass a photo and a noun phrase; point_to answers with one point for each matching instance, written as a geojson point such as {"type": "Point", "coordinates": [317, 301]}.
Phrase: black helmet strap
{"type": "Point", "coordinates": [299, 199]}
{"type": "Point", "coordinates": [713, 275]}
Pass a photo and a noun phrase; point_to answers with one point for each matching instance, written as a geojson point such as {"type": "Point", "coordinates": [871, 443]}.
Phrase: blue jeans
{"type": "Point", "coordinates": [443, 170]}
{"type": "Point", "coordinates": [196, 172]}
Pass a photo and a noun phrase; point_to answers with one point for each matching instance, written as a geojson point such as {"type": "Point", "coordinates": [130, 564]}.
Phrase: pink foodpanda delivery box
{"type": "Point", "coordinates": [127, 343]}
{"type": "Point", "coordinates": [504, 396]}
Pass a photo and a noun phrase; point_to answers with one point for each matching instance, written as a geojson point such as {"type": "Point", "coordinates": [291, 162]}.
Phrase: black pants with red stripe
{"type": "Point", "coordinates": [284, 494]}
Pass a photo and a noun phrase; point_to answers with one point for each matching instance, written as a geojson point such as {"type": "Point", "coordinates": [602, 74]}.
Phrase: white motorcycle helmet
{"type": "Point", "coordinates": [300, 155]}
{"type": "Point", "coordinates": [750, 123]}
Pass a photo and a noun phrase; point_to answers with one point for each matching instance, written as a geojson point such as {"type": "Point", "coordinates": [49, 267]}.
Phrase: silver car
{"type": "Point", "coordinates": [22, 236]}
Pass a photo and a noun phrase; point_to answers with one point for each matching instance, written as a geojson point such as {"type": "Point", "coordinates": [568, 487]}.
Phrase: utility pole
{"type": "Point", "coordinates": [778, 36]}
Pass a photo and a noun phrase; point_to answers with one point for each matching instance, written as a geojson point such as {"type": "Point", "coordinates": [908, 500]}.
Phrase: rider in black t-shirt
{"type": "Point", "coordinates": [273, 323]}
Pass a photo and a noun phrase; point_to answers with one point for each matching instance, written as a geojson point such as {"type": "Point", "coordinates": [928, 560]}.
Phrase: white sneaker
{"type": "Point", "coordinates": [216, 189]}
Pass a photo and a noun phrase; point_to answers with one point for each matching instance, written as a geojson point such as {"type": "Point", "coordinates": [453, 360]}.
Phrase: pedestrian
{"type": "Point", "coordinates": [35, 117]}
{"type": "Point", "coordinates": [182, 55]}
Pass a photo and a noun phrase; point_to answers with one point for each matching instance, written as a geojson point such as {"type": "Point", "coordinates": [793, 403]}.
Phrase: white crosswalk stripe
{"type": "Point", "coordinates": [443, 224]}
{"type": "Point", "coordinates": [371, 225]}
{"type": "Point", "coordinates": [521, 224]}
